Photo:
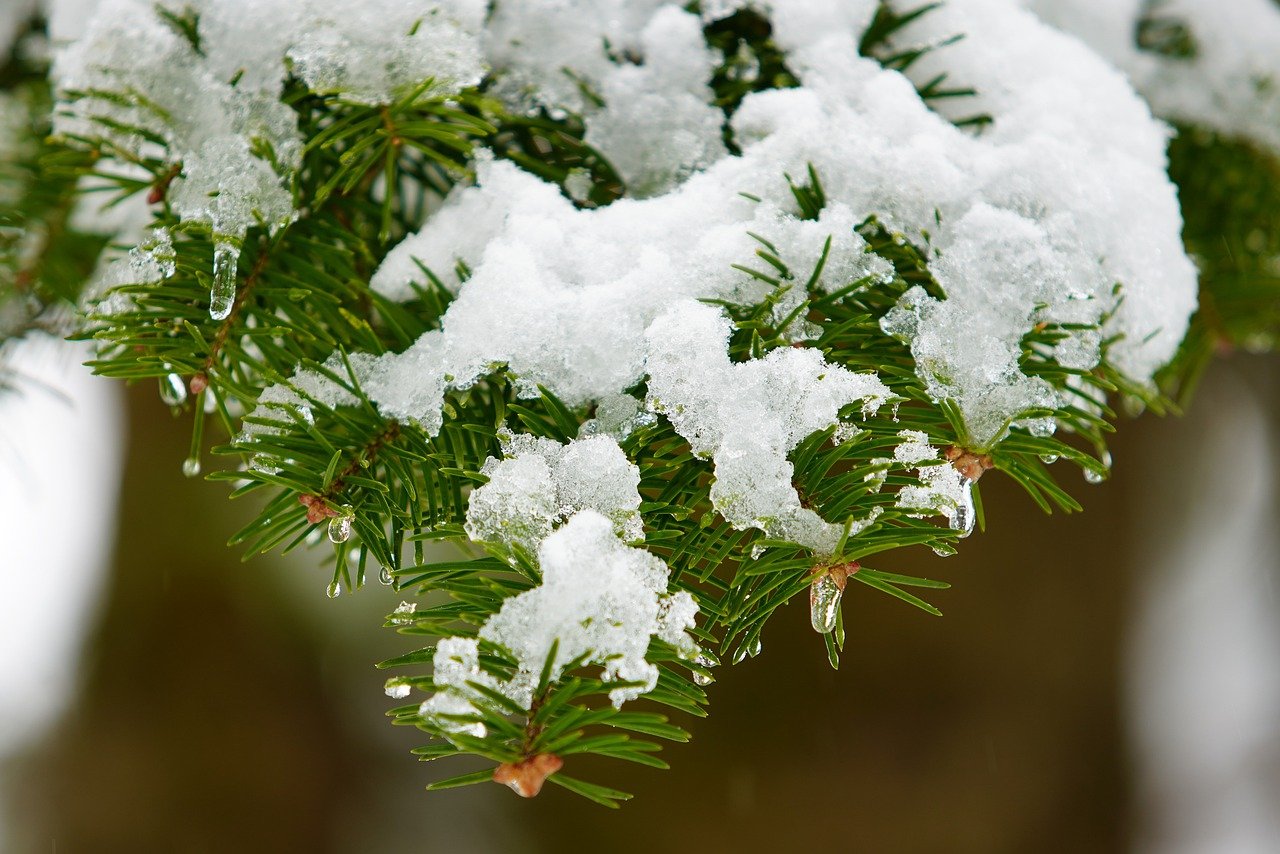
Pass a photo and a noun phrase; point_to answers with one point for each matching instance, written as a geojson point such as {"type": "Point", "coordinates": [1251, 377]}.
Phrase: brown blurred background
{"type": "Point", "coordinates": [231, 706]}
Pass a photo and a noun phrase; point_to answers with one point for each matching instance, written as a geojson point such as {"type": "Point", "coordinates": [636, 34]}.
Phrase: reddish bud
{"type": "Point", "coordinates": [526, 778]}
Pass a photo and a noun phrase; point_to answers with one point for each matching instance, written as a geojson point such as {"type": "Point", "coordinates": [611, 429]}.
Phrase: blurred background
{"type": "Point", "coordinates": [1108, 681]}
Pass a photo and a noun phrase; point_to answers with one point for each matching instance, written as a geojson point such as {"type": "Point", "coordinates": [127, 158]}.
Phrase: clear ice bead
{"type": "Point", "coordinates": [222, 293]}
{"type": "Point", "coordinates": [964, 517]}
{"type": "Point", "coordinates": [340, 528]}
{"type": "Point", "coordinates": [824, 603]}
{"type": "Point", "coordinates": [173, 390]}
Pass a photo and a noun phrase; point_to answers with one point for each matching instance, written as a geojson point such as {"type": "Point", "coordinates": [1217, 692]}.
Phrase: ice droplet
{"type": "Point", "coordinates": [1049, 459]}
{"type": "Point", "coordinates": [334, 590]}
{"type": "Point", "coordinates": [222, 294]}
{"type": "Point", "coordinates": [756, 551]}
{"type": "Point", "coordinates": [1093, 476]}
{"type": "Point", "coordinates": [705, 660]}
{"type": "Point", "coordinates": [403, 614]}
{"type": "Point", "coordinates": [824, 603]}
{"type": "Point", "coordinates": [384, 576]}
{"type": "Point", "coordinates": [340, 528]}
{"type": "Point", "coordinates": [397, 688]}
{"type": "Point", "coordinates": [753, 649]}
{"type": "Point", "coordinates": [964, 517]}
{"type": "Point", "coordinates": [173, 390]}
{"type": "Point", "coordinates": [191, 466]}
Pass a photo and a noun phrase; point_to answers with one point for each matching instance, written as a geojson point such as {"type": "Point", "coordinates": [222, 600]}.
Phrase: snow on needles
{"type": "Point", "coordinates": [1057, 212]}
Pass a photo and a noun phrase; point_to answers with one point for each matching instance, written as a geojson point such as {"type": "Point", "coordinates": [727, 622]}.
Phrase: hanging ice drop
{"type": "Point", "coordinates": [172, 390]}
{"type": "Point", "coordinates": [384, 576]}
{"type": "Point", "coordinates": [964, 516]}
{"type": "Point", "coordinates": [705, 660]}
{"type": "Point", "coordinates": [222, 294]}
{"type": "Point", "coordinates": [824, 603]}
{"type": "Point", "coordinates": [191, 466]}
{"type": "Point", "coordinates": [333, 591]}
{"type": "Point", "coordinates": [340, 528]}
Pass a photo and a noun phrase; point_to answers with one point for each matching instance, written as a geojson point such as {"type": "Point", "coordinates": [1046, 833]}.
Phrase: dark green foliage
{"type": "Point", "coordinates": [751, 62]}
{"type": "Point", "coordinates": [1230, 195]}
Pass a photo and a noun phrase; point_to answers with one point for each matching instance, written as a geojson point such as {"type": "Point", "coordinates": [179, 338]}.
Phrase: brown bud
{"type": "Point", "coordinates": [199, 383]}
{"type": "Point", "coordinates": [969, 464]}
{"type": "Point", "coordinates": [840, 572]}
{"type": "Point", "coordinates": [526, 777]}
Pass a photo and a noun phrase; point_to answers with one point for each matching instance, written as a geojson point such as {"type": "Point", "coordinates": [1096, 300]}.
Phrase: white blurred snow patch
{"type": "Point", "coordinates": [1231, 83]}
{"type": "Point", "coordinates": [1204, 657]}
{"type": "Point", "coordinates": [60, 457]}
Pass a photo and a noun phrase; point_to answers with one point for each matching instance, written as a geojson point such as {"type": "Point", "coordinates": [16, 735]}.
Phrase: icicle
{"type": "Point", "coordinates": [824, 603]}
{"type": "Point", "coordinates": [334, 590]}
{"type": "Point", "coordinates": [191, 466]}
{"type": "Point", "coordinates": [964, 516]}
{"type": "Point", "coordinates": [222, 295]}
{"type": "Point", "coordinates": [172, 390]}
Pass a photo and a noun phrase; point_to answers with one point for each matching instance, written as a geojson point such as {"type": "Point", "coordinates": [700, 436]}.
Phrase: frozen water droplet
{"type": "Point", "coordinates": [173, 390]}
{"type": "Point", "coordinates": [824, 603]}
{"type": "Point", "coordinates": [340, 528]}
{"type": "Point", "coordinates": [191, 466]}
{"type": "Point", "coordinates": [940, 551]}
{"type": "Point", "coordinates": [1093, 476]}
{"type": "Point", "coordinates": [705, 659]}
{"type": "Point", "coordinates": [384, 576]}
{"type": "Point", "coordinates": [334, 590]}
{"type": "Point", "coordinates": [397, 688]}
{"type": "Point", "coordinates": [756, 551]}
{"type": "Point", "coordinates": [964, 517]}
{"type": "Point", "coordinates": [1049, 459]}
{"type": "Point", "coordinates": [753, 649]}
{"type": "Point", "coordinates": [222, 294]}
